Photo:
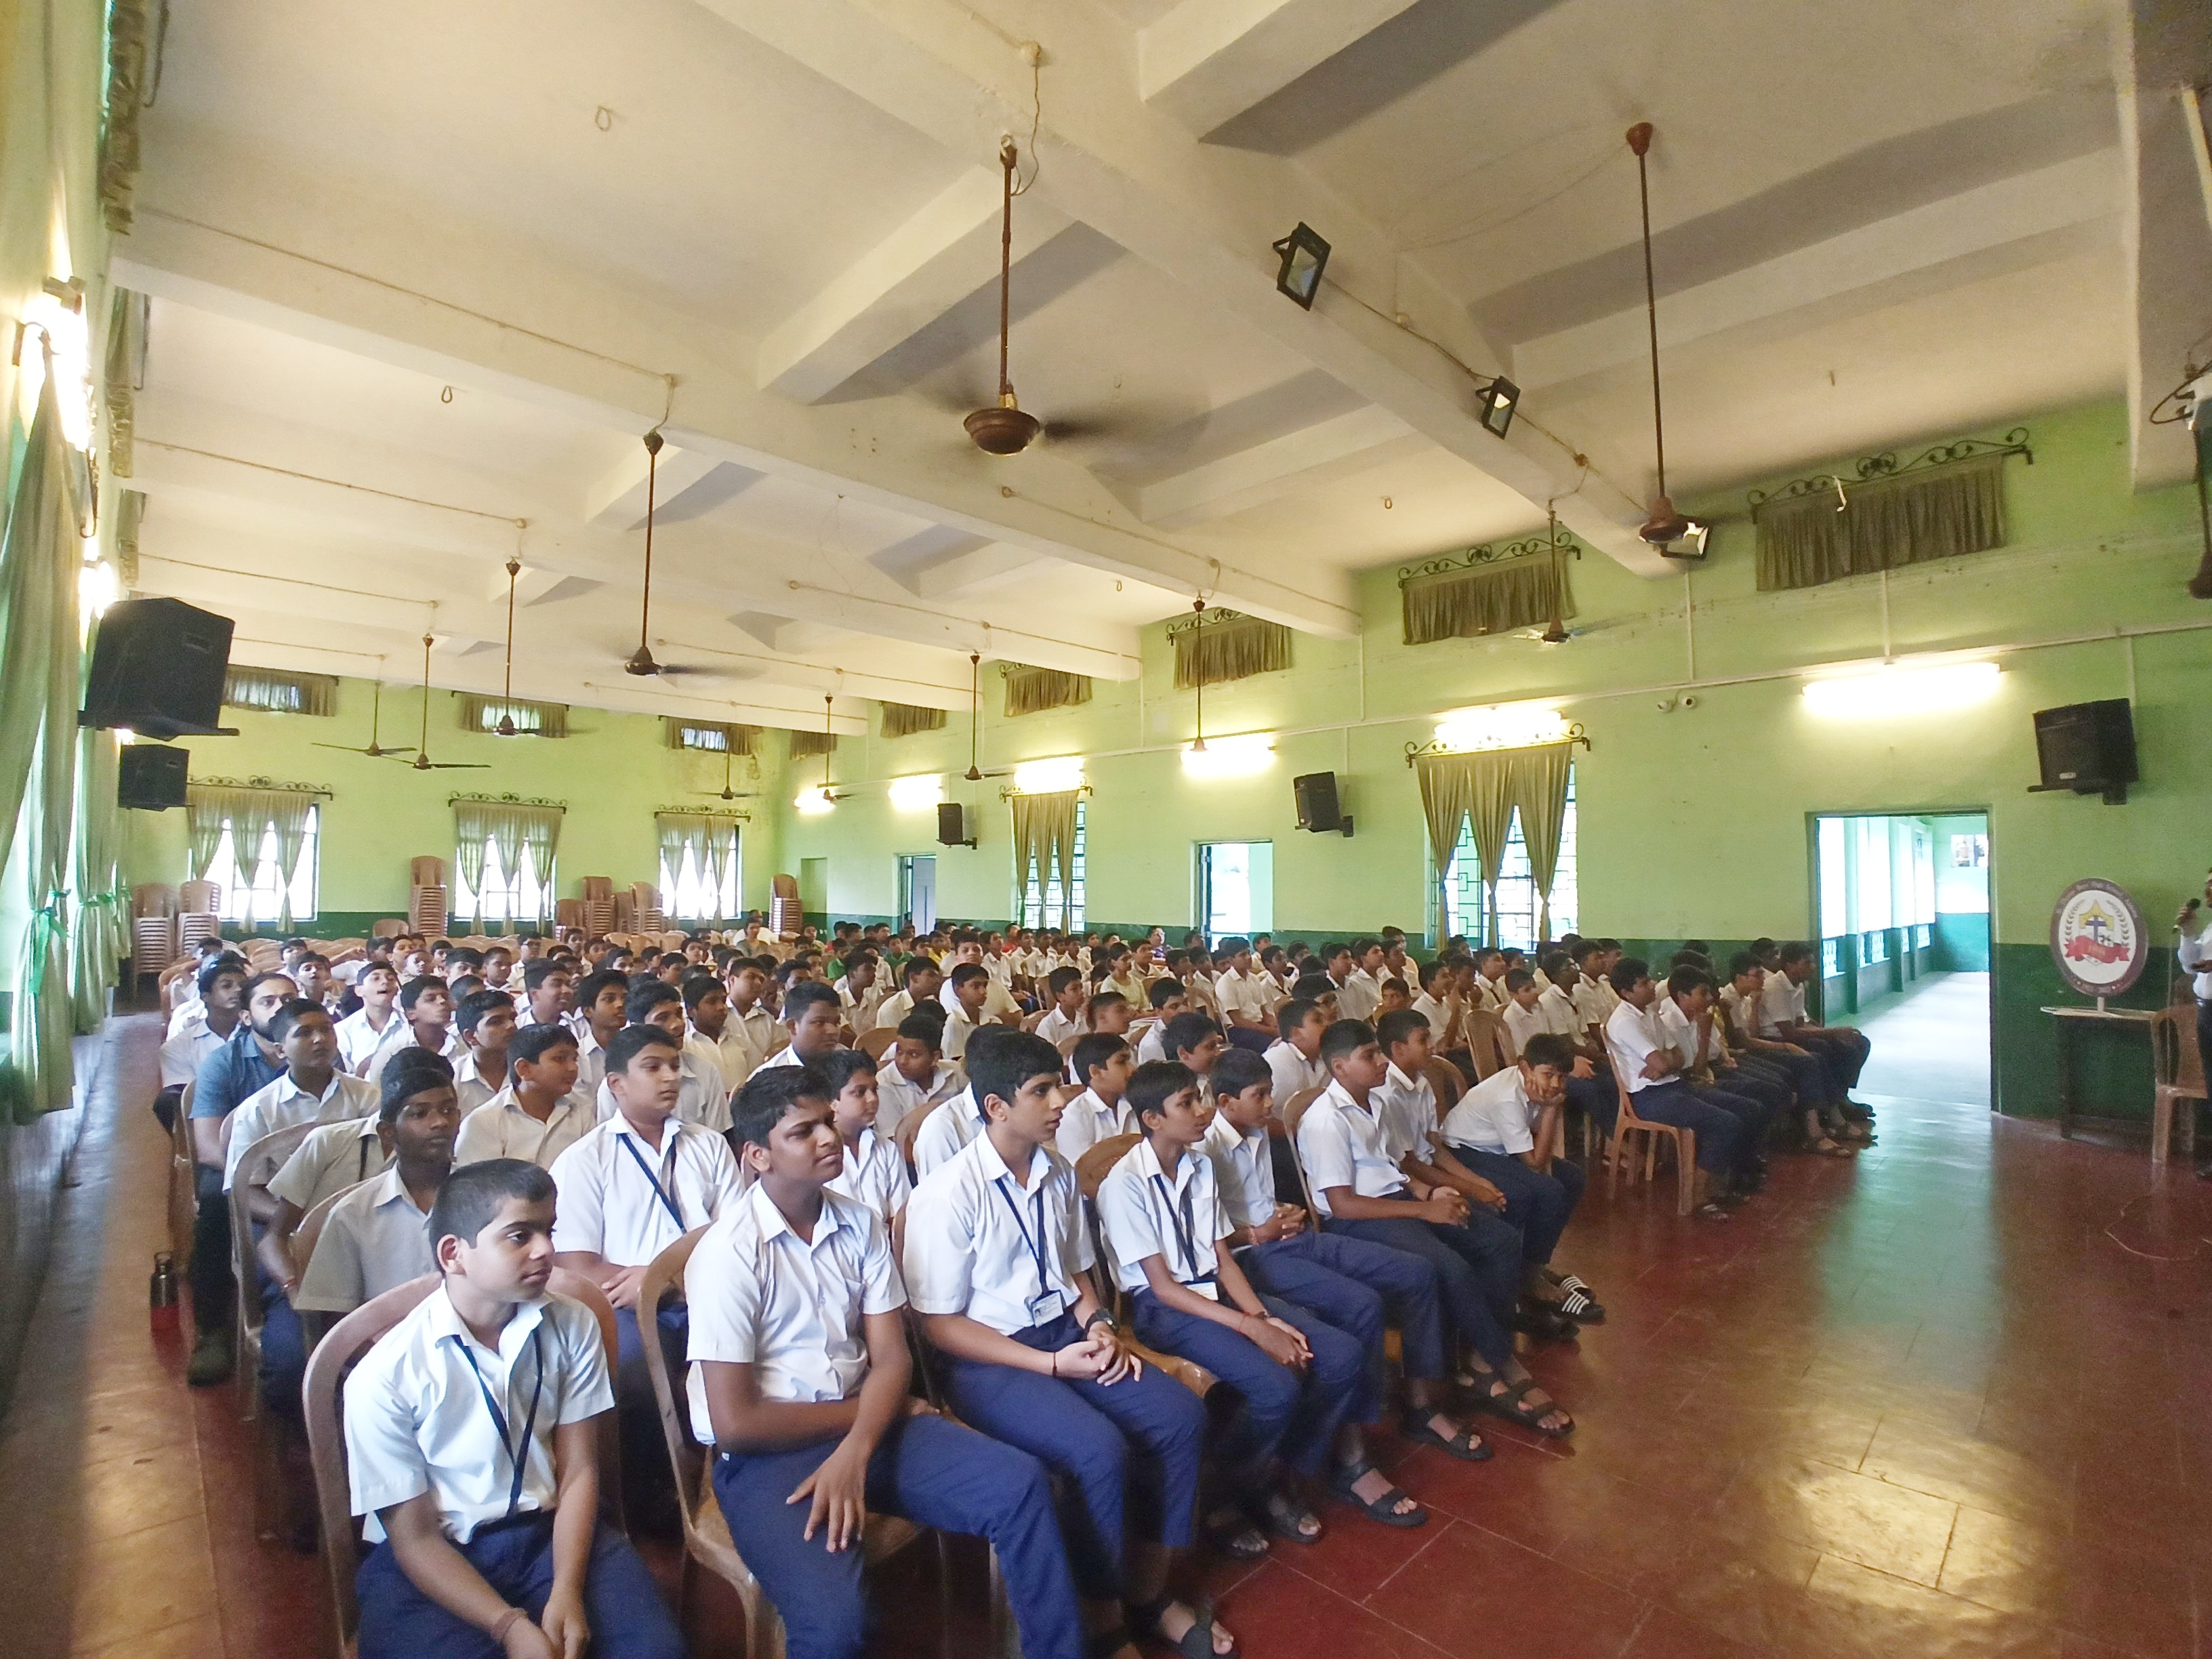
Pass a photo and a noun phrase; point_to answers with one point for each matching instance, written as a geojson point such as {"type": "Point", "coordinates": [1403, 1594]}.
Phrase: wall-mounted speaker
{"type": "Point", "coordinates": [953, 825]}
{"type": "Point", "coordinates": [150, 776]}
{"type": "Point", "coordinates": [1318, 807]}
{"type": "Point", "coordinates": [2087, 749]}
{"type": "Point", "coordinates": [157, 667]}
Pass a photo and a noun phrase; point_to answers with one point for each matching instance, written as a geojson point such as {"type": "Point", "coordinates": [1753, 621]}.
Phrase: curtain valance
{"type": "Point", "coordinates": [718, 737]}
{"type": "Point", "coordinates": [1032, 690]}
{"type": "Point", "coordinates": [804, 744]}
{"type": "Point", "coordinates": [483, 714]}
{"type": "Point", "coordinates": [1885, 524]}
{"type": "Point", "coordinates": [130, 54]}
{"type": "Point", "coordinates": [904, 720]}
{"type": "Point", "coordinates": [280, 693]}
{"type": "Point", "coordinates": [1224, 645]}
{"type": "Point", "coordinates": [1480, 599]}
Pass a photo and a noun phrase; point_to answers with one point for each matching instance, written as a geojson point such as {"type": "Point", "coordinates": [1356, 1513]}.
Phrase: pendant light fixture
{"type": "Point", "coordinates": [1004, 428]}
{"type": "Point", "coordinates": [974, 712]}
{"type": "Point", "coordinates": [1198, 663]}
{"type": "Point", "coordinates": [1664, 525]}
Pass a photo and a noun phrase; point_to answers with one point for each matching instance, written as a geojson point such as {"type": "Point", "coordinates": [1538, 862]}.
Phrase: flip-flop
{"type": "Point", "coordinates": [1825, 1147]}
{"type": "Point", "coordinates": [1513, 1406]}
{"type": "Point", "coordinates": [1382, 1509]}
{"type": "Point", "coordinates": [1235, 1537]}
{"type": "Point", "coordinates": [1197, 1642]}
{"type": "Point", "coordinates": [1581, 1303]}
{"type": "Point", "coordinates": [1467, 1446]}
{"type": "Point", "coordinates": [1281, 1516]}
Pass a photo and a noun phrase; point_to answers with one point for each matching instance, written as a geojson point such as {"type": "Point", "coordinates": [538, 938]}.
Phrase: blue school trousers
{"type": "Point", "coordinates": [1244, 1036]}
{"type": "Point", "coordinates": [1281, 1414]}
{"type": "Point", "coordinates": [648, 1485]}
{"type": "Point", "coordinates": [1478, 1268]}
{"type": "Point", "coordinates": [1597, 1099]}
{"type": "Point", "coordinates": [1753, 1118]}
{"type": "Point", "coordinates": [1537, 1203]}
{"type": "Point", "coordinates": [623, 1606]}
{"type": "Point", "coordinates": [1675, 1103]}
{"type": "Point", "coordinates": [1126, 1452]}
{"type": "Point", "coordinates": [1845, 1050]}
{"type": "Point", "coordinates": [283, 1354]}
{"type": "Point", "coordinates": [932, 1472]}
{"type": "Point", "coordinates": [1360, 1288]}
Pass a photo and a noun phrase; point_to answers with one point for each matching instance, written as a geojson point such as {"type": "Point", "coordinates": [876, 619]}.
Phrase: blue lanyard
{"type": "Point", "coordinates": [518, 1452]}
{"type": "Point", "coordinates": [1035, 1246]}
{"type": "Point", "coordinates": [675, 1211]}
{"type": "Point", "coordinates": [1186, 1230]}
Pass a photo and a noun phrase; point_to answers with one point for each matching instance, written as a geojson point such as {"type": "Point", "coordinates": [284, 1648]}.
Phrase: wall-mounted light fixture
{"type": "Point", "coordinates": [1503, 726]}
{"type": "Point", "coordinates": [1305, 256]}
{"type": "Point", "coordinates": [921, 793]}
{"type": "Point", "coordinates": [1494, 406]}
{"type": "Point", "coordinates": [814, 801]}
{"type": "Point", "coordinates": [1887, 690]}
{"type": "Point", "coordinates": [1049, 777]}
{"type": "Point", "coordinates": [1240, 757]}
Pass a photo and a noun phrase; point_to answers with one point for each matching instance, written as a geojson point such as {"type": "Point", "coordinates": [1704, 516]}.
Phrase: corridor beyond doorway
{"type": "Point", "coordinates": [1931, 1041]}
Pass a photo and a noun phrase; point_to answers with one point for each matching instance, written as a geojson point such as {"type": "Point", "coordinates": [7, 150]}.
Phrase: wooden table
{"type": "Point", "coordinates": [2070, 1020]}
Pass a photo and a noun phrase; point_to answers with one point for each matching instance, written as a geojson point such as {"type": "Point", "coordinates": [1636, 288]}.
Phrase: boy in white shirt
{"type": "Point", "coordinates": [1684, 1019]}
{"type": "Point", "coordinates": [916, 1078]}
{"type": "Point", "coordinates": [1842, 1048]}
{"type": "Point", "coordinates": [745, 982]}
{"type": "Point", "coordinates": [426, 1005]}
{"type": "Point", "coordinates": [311, 1091]}
{"type": "Point", "coordinates": [1064, 1019]}
{"type": "Point", "coordinates": [1294, 1058]}
{"type": "Point", "coordinates": [919, 983]}
{"type": "Point", "coordinates": [967, 993]}
{"type": "Point", "coordinates": [541, 1113]}
{"type": "Point", "coordinates": [860, 992]}
{"type": "Point", "coordinates": [484, 1521]}
{"type": "Point", "coordinates": [1168, 1002]}
{"type": "Point", "coordinates": [1489, 990]}
{"type": "Point", "coordinates": [363, 1031]}
{"type": "Point", "coordinates": [1643, 1060]}
{"type": "Point", "coordinates": [221, 1005]}
{"type": "Point", "coordinates": [711, 1032]}
{"type": "Point", "coordinates": [1246, 998]}
{"type": "Point", "coordinates": [1827, 1131]}
{"type": "Point", "coordinates": [1194, 1041]}
{"type": "Point", "coordinates": [997, 1262]}
{"type": "Point", "coordinates": [602, 1009]}
{"type": "Point", "coordinates": [875, 1169]}
{"type": "Point", "coordinates": [961, 1119]}
{"type": "Point", "coordinates": [702, 1097]}
{"type": "Point", "coordinates": [813, 1019]}
{"type": "Point", "coordinates": [485, 1020]}
{"type": "Point", "coordinates": [1359, 990]}
{"type": "Point", "coordinates": [1099, 1113]}
{"type": "Point", "coordinates": [799, 1374]}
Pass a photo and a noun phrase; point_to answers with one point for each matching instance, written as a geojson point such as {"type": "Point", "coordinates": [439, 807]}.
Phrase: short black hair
{"type": "Point", "coordinates": [967, 974]}
{"type": "Point", "coordinates": [838, 1067]}
{"type": "Point", "coordinates": [1059, 979]}
{"type": "Point", "coordinates": [768, 1095]}
{"type": "Point", "coordinates": [1103, 999]}
{"type": "Point", "coordinates": [1548, 1048]}
{"type": "Point", "coordinates": [260, 980]}
{"type": "Point", "coordinates": [593, 985]}
{"type": "Point", "coordinates": [407, 1074]}
{"type": "Point", "coordinates": [695, 988]}
{"type": "Point", "coordinates": [1186, 1031]}
{"type": "Point", "coordinates": [1092, 1051]}
{"type": "Point", "coordinates": [470, 1198]}
{"type": "Point", "coordinates": [648, 995]}
{"type": "Point", "coordinates": [1797, 949]}
{"type": "Point", "coordinates": [1154, 1083]}
{"type": "Point", "coordinates": [469, 1011]}
{"type": "Point", "coordinates": [919, 1027]}
{"type": "Point", "coordinates": [627, 1044]}
{"type": "Point", "coordinates": [1393, 1029]}
{"type": "Point", "coordinates": [798, 998]}
{"type": "Point", "coordinates": [1741, 962]}
{"type": "Point", "coordinates": [531, 1044]}
{"type": "Point", "coordinates": [295, 1009]}
{"type": "Point", "coordinates": [916, 967]}
{"type": "Point", "coordinates": [1312, 987]}
{"type": "Point", "coordinates": [1163, 991]}
{"type": "Point", "coordinates": [1517, 978]}
{"type": "Point", "coordinates": [1627, 971]}
{"type": "Point", "coordinates": [1687, 979]}
{"type": "Point", "coordinates": [222, 962]}
{"type": "Point", "coordinates": [1011, 1059]}
{"type": "Point", "coordinates": [536, 972]}
{"type": "Point", "coordinates": [1238, 1070]}
{"type": "Point", "coordinates": [1555, 965]}
{"type": "Point", "coordinates": [1346, 1036]}
{"type": "Point", "coordinates": [1295, 1013]}
{"type": "Point", "coordinates": [415, 990]}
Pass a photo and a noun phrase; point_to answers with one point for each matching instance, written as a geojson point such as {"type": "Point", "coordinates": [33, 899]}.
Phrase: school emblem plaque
{"type": "Point", "coordinates": [2097, 939]}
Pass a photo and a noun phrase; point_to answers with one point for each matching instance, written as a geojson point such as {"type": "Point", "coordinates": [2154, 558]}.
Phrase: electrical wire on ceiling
{"type": "Point", "coordinates": [1483, 227]}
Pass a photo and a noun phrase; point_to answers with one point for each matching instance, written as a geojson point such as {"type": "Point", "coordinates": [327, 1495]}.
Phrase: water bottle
{"type": "Point", "coordinates": [162, 1295]}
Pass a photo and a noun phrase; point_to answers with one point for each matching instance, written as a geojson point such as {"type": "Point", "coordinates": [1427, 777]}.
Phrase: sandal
{"type": "Point", "coordinates": [1467, 1445]}
{"type": "Point", "coordinates": [1383, 1508]}
{"type": "Point", "coordinates": [1229, 1532]}
{"type": "Point", "coordinates": [1285, 1517]}
{"type": "Point", "coordinates": [1581, 1303]}
{"type": "Point", "coordinates": [1825, 1147]}
{"type": "Point", "coordinates": [1197, 1642]}
{"type": "Point", "coordinates": [1513, 1406]}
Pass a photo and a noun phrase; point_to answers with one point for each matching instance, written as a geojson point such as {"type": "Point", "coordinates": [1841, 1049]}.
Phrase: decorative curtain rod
{"type": "Point", "coordinates": [734, 815]}
{"type": "Point", "coordinates": [271, 785]}
{"type": "Point", "coordinates": [1470, 558]}
{"type": "Point", "coordinates": [1436, 747]}
{"type": "Point", "coordinates": [1007, 791]}
{"type": "Point", "coordinates": [1213, 616]}
{"type": "Point", "coordinates": [1871, 469]}
{"type": "Point", "coordinates": [506, 800]}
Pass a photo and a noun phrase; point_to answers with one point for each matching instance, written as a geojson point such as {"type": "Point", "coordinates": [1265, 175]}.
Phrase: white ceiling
{"type": "Point", "coordinates": [424, 275]}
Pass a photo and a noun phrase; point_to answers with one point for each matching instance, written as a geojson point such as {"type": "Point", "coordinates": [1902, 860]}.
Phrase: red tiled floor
{"type": "Point", "coordinates": [1920, 1404]}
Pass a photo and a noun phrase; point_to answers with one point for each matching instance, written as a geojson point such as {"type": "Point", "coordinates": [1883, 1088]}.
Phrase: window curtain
{"type": "Point", "coordinates": [103, 902]}
{"type": "Point", "coordinates": [722, 851]}
{"type": "Point", "coordinates": [903, 719]}
{"type": "Point", "coordinates": [671, 826]}
{"type": "Point", "coordinates": [130, 42]}
{"type": "Point", "coordinates": [204, 812]}
{"type": "Point", "coordinates": [130, 513]}
{"type": "Point", "coordinates": [507, 835]}
{"type": "Point", "coordinates": [471, 829]}
{"type": "Point", "coordinates": [290, 813]}
{"type": "Point", "coordinates": [125, 358]}
{"type": "Point", "coordinates": [1476, 789]}
{"type": "Point", "coordinates": [1229, 647]}
{"type": "Point", "coordinates": [804, 744]}
{"type": "Point", "coordinates": [1952, 509]}
{"type": "Point", "coordinates": [483, 713]}
{"type": "Point", "coordinates": [1538, 786]}
{"type": "Point", "coordinates": [280, 693]}
{"type": "Point", "coordinates": [690, 734]}
{"type": "Point", "coordinates": [1031, 690]}
{"type": "Point", "coordinates": [1485, 599]}
{"type": "Point", "coordinates": [1044, 835]}
{"type": "Point", "coordinates": [541, 834]}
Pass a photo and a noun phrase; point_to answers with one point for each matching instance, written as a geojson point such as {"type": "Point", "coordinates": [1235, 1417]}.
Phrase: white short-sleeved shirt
{"type": "Point", "coordinates": [1681, 1034]}
{"type": "Point", "coordinates": [358, 1039]}
{"type": "Point", "coordinates": [1780, 1004]}
{"type": "Point", "coordinates": [1087, 1121]}
{"type": "Point", "coordinates": [1341, 1144]}
{"type": "Point", "coordinates": [1057, 1027]}
{"type": "Point", "coordinates": [1433, 1011]}
{"type": "Point", "coordinates": [181, 1055]}
{"type": "Point", "coordinates": [1406, 1107]}
{"type": "Point", "coordinates": [729, 1053]}
{"type": "Point", "coordinates": [416, 1419]}
{"type": "Point", "coordinates": [894, 1009]}
{"type": "Point", "coordinates": [1561, 1016]}
{"type": "Point", "coordinates": [758, 1029]}
{"type": "Point", "coordinates": [1293, 1072]}
{"type": "Point", "coordinates": [189, 1008]}
{"type": "Point", "coordinates": [1243, 1170]}
{"type": "Point", "coordinates": [973, 1239]}
{"type": "Point", "coordinates": [860, 1007]}
{"type": "Point", "coordinates": [787, 1055]}
{"type": "Point", "coordinates": [1521, 1024]}
{"type": "Point", "coordinates": [470, 1083]}
{"type": "Point", "coordinates": [500, 1128]}
{"type": "Point", "coordinates": [946, 1131]}
{"type": "Point", "coordinates": [401, 1036]}
{"type": "Point", "coordinates": [609, 1204]}
{"type": "Point", "coordinates": [1493, 1116]}
{"type": "Point", "coordinates": [373, 1239]}
{"type": "Point", "coordinates": [958, 1027]}
{"type": "Point", "coordinates": [700, 1099]}
{"type": "Point", "coordinates": [1491, 993]}
{"type": "Point", "coordinates": [283, 1103]}
{"type": "Point", "coordinates": [897, 1100]}
{"type": "Point", "coordinates": [591, 1057]}
{"type": "Point", "coordinates": [1631, 1038]}
{"type": "Point", "coordinates": [998, 1001]}
{"type": "Point", "coordinates": [875, 1175]}
{"type": "Point", "coordinates": [1360, 996]}
{"type": "Point", "coordinates": [1595, 1000]}
{"type": "Point", "coordinates": [1147, 1211]}
{"type": "Point", "coordinates": [1252, 994]}
{"type": "Point", "coordinates": [332, 1158]}
{"type": "Point", "coordinates": [1152, 1046]}
{"type": "Point", "coordinates": [795, 1310]}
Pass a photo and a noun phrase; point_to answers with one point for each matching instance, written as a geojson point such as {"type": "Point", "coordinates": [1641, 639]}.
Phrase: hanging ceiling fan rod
{"type": "Point", "coordinates": [1665, 524]}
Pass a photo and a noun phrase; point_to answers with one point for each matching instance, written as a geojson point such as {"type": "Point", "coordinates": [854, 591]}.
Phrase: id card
{"type": "Point", "coordinates": [1207, 1289]}
{"type": "Point", "coordinates": [1046, 1308]}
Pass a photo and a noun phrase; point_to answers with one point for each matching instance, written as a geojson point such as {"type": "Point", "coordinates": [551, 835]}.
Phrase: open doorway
{"type": "Point", "coordinates": [1236, 889]}
{"type": "Point", "coordinates": [917, 889]}
{"type": "Point", "coordinates": [1903, 904]}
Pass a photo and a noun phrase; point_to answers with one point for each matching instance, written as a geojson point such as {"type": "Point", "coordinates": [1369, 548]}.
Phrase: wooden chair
{"type": "Point", "coordinates": [261, 1160]}
{"type": "Point", "coordinates": [1628, 1124]}
{"type": "Point", "coordinates": [1486, 1040]}
{"type": "Point", "coordinates": [1090, 1171]}
{"type": "Point", "coordinates": [909, 1125]}
{"type": "Point", "coordinates": [2178, 1071]}
{"type": "Point", "coordinates": [327, 1366]}
{"type": "Point", "coordinates": [1289, 1114]}
{"type": "Point", "coordinates": [183, 1193]}
{"type": "Point", "coordinates": [1446, 1082]}
{"type": "Point", "coordinates": [707, 1540]}
{"type": "Point", "coordinates": [876, 1043]}
{"type": "Point", "coordinates": [310, 1230]}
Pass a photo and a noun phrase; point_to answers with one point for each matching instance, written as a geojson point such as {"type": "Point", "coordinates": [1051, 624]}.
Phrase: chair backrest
{"type": "Point", "coordinates": [1486, 1040]}
{"type": "Point", "coordinates": [577, 1288]}
{"type": "Point", "coordinates": [1066, 1044]}
{"type": "Point", "coordinates": [2178, 1063]}
{"type": "Point", "coordinates": [1291, 1113]}
{"type": "Point", "coordinates": [876, 1043]}
{"type": "Point", "coordinates": [426, 872]}
{"type": "Point", "coordinates": [260, 1161]}
{"type": "Point", "coordinates": [1444, 1081]}
{"type": "Point", "coordinates": [311, 1227]}
{"type": "Point", "coordinates": [663, 1276]}
{"type": "Point", "coordinates": [200, 897]}
{"type": "Point", "coordinates": [910, 1126]}
{"type": "Point", "coordinates": [1620, 1080]}
{"type": "Point", "coordinates": [1099, 1159]}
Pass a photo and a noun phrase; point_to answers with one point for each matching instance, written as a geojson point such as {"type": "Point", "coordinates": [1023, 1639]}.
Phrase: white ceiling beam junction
{"type": "Point", "coordinates": [1207, 62]}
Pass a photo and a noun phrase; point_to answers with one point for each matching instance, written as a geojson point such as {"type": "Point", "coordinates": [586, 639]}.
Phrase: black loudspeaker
{"type": "Point", "coordinates": [150, 776]}
{"type": "Point", "coordinates": [953, 825]}
{"type": "Point", "coordinates": [1318, 808]}
{"type": "Point", "coordinates": [2087, 748]}
{"type": "Point", "coordinates": [157, 667]}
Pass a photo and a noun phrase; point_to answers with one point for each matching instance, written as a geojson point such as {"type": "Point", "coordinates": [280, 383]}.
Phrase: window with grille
{"type": "Point", "coordinates": [687, 895]}
{"type": "Point", "coordinates": [1041, 909]}
{"type": "Point", "coordinates": [1514, 897]}
{"type": "Point", "coordinates": [257, 895]}
{"type": "Point", "coordinates": [520, 895]}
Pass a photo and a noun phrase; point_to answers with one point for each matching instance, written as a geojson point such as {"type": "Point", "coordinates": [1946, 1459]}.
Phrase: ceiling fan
{"type": "Point", "coordinates": [506, 727]}
{"type": "Point", "coordinates": [641, 661]}
{"type": "Point", "coordinates": [974, 773]}
{"type": "Point", "coordinates": [1665, 524]}
{"type": "Point", "coordinates": [374, 751]}
{"type": "Point", "coordinates": [729, 750]}
{"type": "Point", "coordinates": [422, 762]}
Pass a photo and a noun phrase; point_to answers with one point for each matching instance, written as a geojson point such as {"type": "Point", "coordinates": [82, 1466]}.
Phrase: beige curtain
{"type": "Point", "coordinates": [1539, 777]}
{"type": "Point", "coordinates": [1487, 598]}
{"type": "Point", "coordinates": [280, 693]}
{"type": "Point", "coordinates": [471, 829]}
{"type": "Point", "coordinates": [686, 734]}
{"type": "Point", "coordinates": [541, 834]}
{"type": "Point", "coordinates": [672, 830]}
{"type": "Point", "coordinates": [481, 714]}
{"type": "Point", "coordinates": [804, 744]}
{"type": "Point", "coordinates": [1044, 835]}
{"type": "Point", "coordinates": [129, 47]}
{"type": "Point", "coordinates": [1031, 690]}
{"type": "Point", "coordinates": [129, 513]}
{"type": "Point", "coordinates": [1478, 790]}
{"type": "Point", "coordinates": [903, 719]}
{"type": "Point", "coordinates": [1229, 647]}
{"type": "Point", "coordinates": [505, 821]}
{"type": "Point", "coordinates": [204, 812]}
{"type": "Point", "coordinates": [127, 353]}
{"type": "Point", "coordinates": [1886, 523]}
{"type": "Point", "coordinates": [721, 852]}
{"type": "Point", "coordinates": [290, 813]}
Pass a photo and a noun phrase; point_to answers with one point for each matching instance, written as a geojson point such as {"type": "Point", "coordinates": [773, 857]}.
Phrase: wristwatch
{"type": "Point", "coordinates": [1100, 1317]}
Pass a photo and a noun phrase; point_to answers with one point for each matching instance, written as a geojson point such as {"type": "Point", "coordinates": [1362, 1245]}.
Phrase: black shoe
{"type": "Point", "coordinates": [1545, 1323]}
{"type": "Point", "coordinates": [213, 1359]}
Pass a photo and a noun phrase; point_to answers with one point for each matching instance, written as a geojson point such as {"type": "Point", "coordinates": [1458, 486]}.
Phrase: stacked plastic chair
{"type": "Point", "coordinates": [598, 902]}
{"type": "Point", "coordinates": [201, 915]}
{"type": "Point", "coordinates": [153, 907]}
{"type": "Point", "coordinates": [428, 896]}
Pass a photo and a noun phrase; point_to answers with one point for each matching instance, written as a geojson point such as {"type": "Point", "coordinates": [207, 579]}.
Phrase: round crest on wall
{"type": "Point", "coordinates": [2097, 939]}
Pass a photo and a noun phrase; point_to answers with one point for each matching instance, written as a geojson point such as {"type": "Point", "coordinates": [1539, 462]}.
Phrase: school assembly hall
{"type": "Point", "coordinates": [1238, 828]}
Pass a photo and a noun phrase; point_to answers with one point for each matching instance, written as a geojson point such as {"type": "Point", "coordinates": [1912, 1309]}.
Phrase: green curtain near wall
{"type": "Point", "coordinates": [289, 813]}
{"type": "Point", "coordinates": [1539, 793]}
{"type": "Point", "coordinates": [103, 902]}
{"type": "Point", "coordinates": [722, 853]}
{"type": "Point", "coordinates": [205, 810]}
{"type": "Point", "coordinates": [1446, 788]}
{"type": "Point", "coordinates": [470, 831]}
{"type": "Point", "coordinates": [671, 827]}
{"type": "Point", "coordinates": [1884, 525]}
{"type": "Point", "coordinates": [1478, 789]}
{"type": "Point", "coordinates": [541, 830]}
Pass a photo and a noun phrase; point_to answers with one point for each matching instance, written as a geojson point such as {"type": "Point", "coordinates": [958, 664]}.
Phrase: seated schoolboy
{"type": "Point", "coordinates": [1506, 1129]}
{"type": "Point", "coordinates": [875, 1170]}
{"type": "Point", "coordinates": [1110, 1014]}
{"type": "Point", "coordinates": [858, 992]}
{"type": "Point", "coordinates": [814, 1020]}
{"type": "Point", "coordinates": [1652, 1072]}
{"type": "Point", "coordinates": [1064, 1019]}
{"type": "Point", "coordinates": [1827, 1131]}
{"type": "Point", "coordinates": [961, 1119]}
{"type": "Point", "coordinates": [1842, 1049]}
{"type": "Point", "coordinates": [1683, 1016]}
{"type": "Point", "coordinates": [916, 1078]}
{"type": "Point", "coordinates": [471, 1450]}
{"type": "Point", "coordinates": [1355, 1285]}
{"type": "Point", "coordinates": [630, 1188]}
{"type": "Point", "coordinates": [1167, 1000]}
{"type": "Point", "coordinates": [1100, 1112]}
{"type": "Point", "coordinates": [1294, 1058]}
{"type": "Point", "coordinates": [1362, 1193]}
{"type": "Point", "coordinates": [709, 1029]}
{"type": "Point", "coordinates": [602, 1009]}
{"type": "Point", "coordinates": [702, 1097]}
{"type": "Point", "coordinates": [426, 1006]}
{"type": "Point", "coordinates": [997, 1261]}
{"type": "Point", "coordinates": [1194, 1041]}
{"type": "Point", "coordinates": [1245, 997]}
{"type": "Point", "coordinates": [1320, 990]}
{"type": "Point", "coordinates": [541, 1113]}
{"type": "Point", "coordinates": [919, 982]}
{"type": "Point", "coordinates": [798, 1379]}
{"type": "Point", "coordinates": [745, 982]}
{"type": "Point", "coordinates": [363, 1031]}
{"type": "Point", "coordinates": [486, 1022]}
{"type": "Point", "coordinates": [1297, 1377]}
{"type": "Point", "coordinates": [1523, 1018]}
{"type": "Point", "coordinates": [969, 990]}
{"type": "Point", "coordinates": [374, 1238]}
{"type": "Point", "coordinates": [310, 1090]}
